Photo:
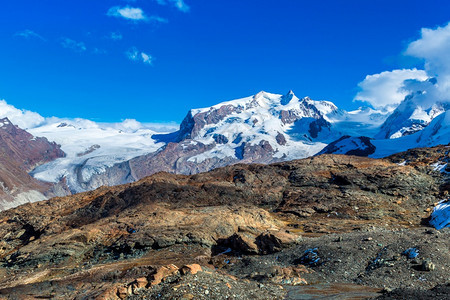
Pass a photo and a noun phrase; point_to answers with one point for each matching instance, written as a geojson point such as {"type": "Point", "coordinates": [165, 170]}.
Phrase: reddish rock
{"type": "Point", "coordinates": [161, 273]}
{"type": "Point", "coordinates": [122, 292]}
{"type": "Point", "coordinates": [192, 269]}
{"type": "Point", "coordinates": [25, 149]}
{"type": "Point", "coordinates": [109, 294]}
{"type": "Point", "coordinates": [141, 282]}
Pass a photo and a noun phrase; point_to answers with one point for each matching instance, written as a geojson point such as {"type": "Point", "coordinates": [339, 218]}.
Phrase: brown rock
{"type": "Point", "coordinates": [163, 272]}
{"type": "Point", "coordinates": [427, 266]}
{"type": "Point", "coordinates": [192, 269]}
{"type": "Point", "coordinates": [122, 292]}
{"type": "Point", "coordinates": [274, 241]}
{"type": "Point", "coordinates": [109, 294]}
{"type": "Point", "coordinates": [244, 242]}
{"type": "Point", "coordinates": [130, 289]}
{"type": "Point", "coordinates": [141, 282]}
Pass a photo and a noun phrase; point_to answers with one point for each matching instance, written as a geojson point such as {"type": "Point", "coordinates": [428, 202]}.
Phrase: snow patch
{"type": "Point", "coordinates": [402, 163]}
{"type": "Point", "coordinates": [23, 198]}
{"type": "Point", "coordinates": [439, 166]}
{"type": "Point", "coordinates": [440, 216]}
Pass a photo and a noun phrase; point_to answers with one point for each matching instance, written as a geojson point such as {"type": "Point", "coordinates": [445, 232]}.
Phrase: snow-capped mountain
{"type": "Point", "coordinates": [350, 145]}
{"type": "Point", "coordinates": [292, 127]}
{"type": "Point", "coordinates": [409, 117]}
{"type": "Point", "coordinates": [262, 128]}
{"type": "Point", "coordinates": [437, 132]}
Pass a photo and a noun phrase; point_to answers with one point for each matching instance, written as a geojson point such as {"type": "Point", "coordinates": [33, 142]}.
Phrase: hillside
{"type": "Point", "coordinates": [246, 226]}
{"type": "Point", "coordinates": [21, 152]}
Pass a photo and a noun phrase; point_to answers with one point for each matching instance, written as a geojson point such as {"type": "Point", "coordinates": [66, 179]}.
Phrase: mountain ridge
{"type": "Point", "coordinates": [263, 128]}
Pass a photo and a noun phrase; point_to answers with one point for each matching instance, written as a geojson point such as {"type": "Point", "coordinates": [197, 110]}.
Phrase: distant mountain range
{"type": "Point", "coordinates": [263, 128]}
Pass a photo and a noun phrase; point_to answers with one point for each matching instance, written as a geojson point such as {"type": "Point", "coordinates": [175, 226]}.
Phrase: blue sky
{"type": "Point", "coordinates": [153, 60]}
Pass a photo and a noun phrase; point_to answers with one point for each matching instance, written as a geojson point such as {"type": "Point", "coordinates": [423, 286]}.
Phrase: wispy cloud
{"type": "Point", "coordinates": [180, 4]}
{"type": "Point", "coordinates": [73, 45]}
{"type": "Point", "coordinates": [115, 36]}
{"type": "Point", "coordinates": [133, 14]}
{"type": "Point", "coordinates": [29, 34]}
{"type": "Point", "coordinates": [135, 55]}
{"type": "Point", "coordinates": [127, 12]}
{"type": "Point", "coordinates": [158, 19]}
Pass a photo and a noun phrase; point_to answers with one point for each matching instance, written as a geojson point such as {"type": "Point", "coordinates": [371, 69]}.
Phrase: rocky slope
{"type": "Point", "coordinates": [241, 231]}
{"type": "Point", "coordinates": [20, 152]}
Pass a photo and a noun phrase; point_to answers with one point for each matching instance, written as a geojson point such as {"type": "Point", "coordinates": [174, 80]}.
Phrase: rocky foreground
{"type": "Point", "coordinates": [327, 225]}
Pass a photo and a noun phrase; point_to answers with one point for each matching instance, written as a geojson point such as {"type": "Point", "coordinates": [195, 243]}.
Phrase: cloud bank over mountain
{"type": "Point", "coordinates": [26, 119]}
{"type": "Point", "coordinates": [387, 89]}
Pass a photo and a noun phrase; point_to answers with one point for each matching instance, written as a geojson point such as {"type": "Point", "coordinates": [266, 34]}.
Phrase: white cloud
{"type": "Point", "coordinates": [434, 48]}
{"type": "Point", "coordinates": [387, 89]}
{"type": "Point", "coordinates": [180, 4]}
{"type": "Point", "coordinates": [135, 55]}
{"type": "Point", "coordinates": [128, 125]}
{"type": "Point", "coordinates": [132, 14]}
{"type": "Point", "coordinates": [23, 118]}
{"type": "Point", "coordinates": [132, 125]}
{"type": "Point", "coordinates": [127, 12]}
{"type": "Point", "coordinates": [29, 34]}
{"type": "Point", "coordinates": [74, 45]}
{"type": "Point", "coordinates": [146, 58]}
{"type": "Point", "coordinates": [26, 119]}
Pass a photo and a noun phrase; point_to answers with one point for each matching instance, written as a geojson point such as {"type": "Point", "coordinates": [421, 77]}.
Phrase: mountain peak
{"type": "Point", "coordinates": [287, 98]}
{"type": "Point", "coordinates": [4, 121]}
